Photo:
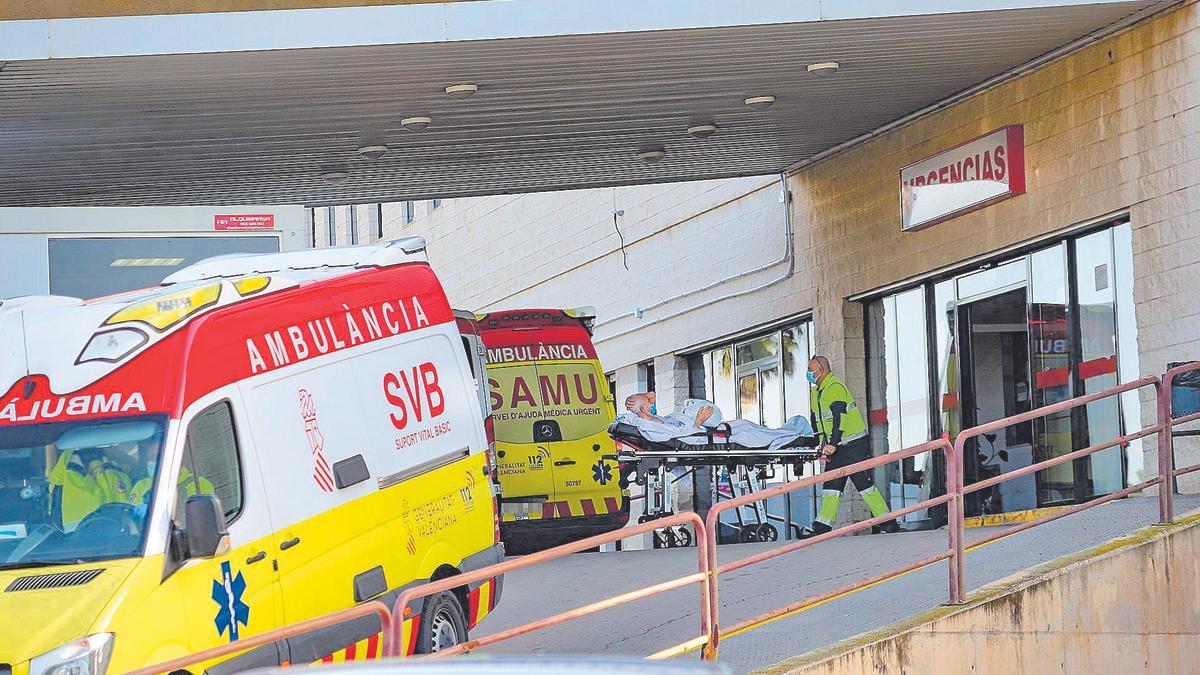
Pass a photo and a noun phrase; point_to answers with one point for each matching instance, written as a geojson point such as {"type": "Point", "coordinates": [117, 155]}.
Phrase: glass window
{"type": "Point", "coordinates": [759, 348]}
{"type": "Point", "coordinates": [1128, 365]}
{"type": "Point", "coordinates": [331, 226]}
{"type": "Point", "coordinates": [724, 390]}
{"type": "Point", "coordinates": [94, 267]}
{"type": "Point", "coordinates": [762, 379]}
{"type": "Point", "coordinates": [210, 461]}
{"type": "Point", "coordinates": [1098, 356]}
{"type": "Point", "coordinates": [410, 212]}
{"type": "Point", "coordinates": [353, 225]}
{"type": "Point", "coordinates": [796, 354]}
{"type": "Point", "coordinates": [987, 282]}
{"type": "Point", "coordinates": [76, 491]}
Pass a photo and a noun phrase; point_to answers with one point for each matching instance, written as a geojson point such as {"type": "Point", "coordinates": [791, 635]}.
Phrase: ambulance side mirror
{"type": "Point", "coordinates": [204, 527]}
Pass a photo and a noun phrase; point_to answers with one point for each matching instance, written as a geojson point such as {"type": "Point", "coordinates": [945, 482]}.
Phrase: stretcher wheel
{"type": "Point", "coordinates": [767, 532]}
{"type": "Point", "coordinates": [684, 539]}
{"type": "Point", "coordinates": [644, 518]}
{"type": "Point", "coordinates": [748, 535]}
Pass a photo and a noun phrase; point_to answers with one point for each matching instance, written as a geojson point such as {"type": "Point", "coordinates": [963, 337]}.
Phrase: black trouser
{"type": "Point", "coordinates": [853, 452]}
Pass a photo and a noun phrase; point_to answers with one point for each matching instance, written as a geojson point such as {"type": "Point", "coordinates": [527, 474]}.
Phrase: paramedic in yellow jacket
{"type": "Point", "coordinates": [189, 485]}
{"type": "Point", "coordinates": [102, 483]}
{"type": "Point", "coordinates": [842, 431]}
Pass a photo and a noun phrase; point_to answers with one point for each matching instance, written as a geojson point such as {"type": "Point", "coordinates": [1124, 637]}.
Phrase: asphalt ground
{"type": "Point", "coordinates": [649, 625]}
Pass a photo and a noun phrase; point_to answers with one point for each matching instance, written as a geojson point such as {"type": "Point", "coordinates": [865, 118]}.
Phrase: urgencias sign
{"type": "Point", "coordinates": [975, 174]}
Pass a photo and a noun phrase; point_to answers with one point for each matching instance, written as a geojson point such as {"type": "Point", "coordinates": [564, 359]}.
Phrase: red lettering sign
{"type": "Point", "coordinates": [261, 221]}
{"type": "Point", "coordinates": [975, 174]}
{"type": "Point", "coordinates": [414, 393]}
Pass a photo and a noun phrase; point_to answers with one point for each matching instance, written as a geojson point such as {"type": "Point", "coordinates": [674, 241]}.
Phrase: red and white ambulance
{"type": "Point", "coordinates": [258, 441]}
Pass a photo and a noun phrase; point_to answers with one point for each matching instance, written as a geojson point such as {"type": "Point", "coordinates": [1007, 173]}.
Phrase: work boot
{"type": "Point", "coordinates": [817, 528]}
{"type": "Point", "coordinates": [886, 527]}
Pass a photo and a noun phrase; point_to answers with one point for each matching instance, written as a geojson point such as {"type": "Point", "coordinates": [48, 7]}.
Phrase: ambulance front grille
{"type": "Point", "coordinates": [60, 580]}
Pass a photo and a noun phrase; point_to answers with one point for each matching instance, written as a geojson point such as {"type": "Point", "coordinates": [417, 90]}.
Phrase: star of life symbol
{"type": "Point", "coordinates": [322, 474]}
{"type": "Point", "coordinates": [227, 593]}
{"type": "Point", "coordinates": [601, 473]}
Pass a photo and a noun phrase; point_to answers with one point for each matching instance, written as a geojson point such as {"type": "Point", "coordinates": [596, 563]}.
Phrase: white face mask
{"type": "Point", "coordinates": [150, 468]}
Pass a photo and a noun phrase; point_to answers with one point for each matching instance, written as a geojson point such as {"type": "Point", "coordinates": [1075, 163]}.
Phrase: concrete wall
{"type": "Point", "coordinates": [1080, 614]}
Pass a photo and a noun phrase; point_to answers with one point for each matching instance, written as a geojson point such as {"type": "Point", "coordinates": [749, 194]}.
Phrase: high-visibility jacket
{"type": "Point", "coordinates": [84, 493]}
{"type": "Point", "coordinates": [186, 486]}
{"type": "Point", "coordinates": [836, 418]}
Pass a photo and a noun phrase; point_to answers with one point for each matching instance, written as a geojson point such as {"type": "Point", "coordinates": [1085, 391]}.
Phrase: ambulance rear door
{"type": "Point", "coordinates": [577, 411]}
{"type": "Point", "coordinates": [525, 468]}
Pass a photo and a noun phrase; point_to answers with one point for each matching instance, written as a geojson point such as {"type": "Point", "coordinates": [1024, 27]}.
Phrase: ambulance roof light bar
{"type": "Point", "coordinates": [383, 254]}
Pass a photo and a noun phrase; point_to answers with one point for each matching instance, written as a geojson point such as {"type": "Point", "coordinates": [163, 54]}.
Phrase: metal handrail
{"type": "Point", "coordinates": [711, 649]}
{"type": "Point", "coordinates": [1166, 442]}
{"type": "Point", "coordinates": [960, 448]}
{"type": "Point", "coordinates": [701, 577]}
{"type": "Point", "coordinates": [367, 609]}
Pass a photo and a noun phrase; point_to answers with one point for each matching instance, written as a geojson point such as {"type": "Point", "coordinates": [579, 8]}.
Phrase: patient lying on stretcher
{"type": "Point", "coordinates": [697, 415]}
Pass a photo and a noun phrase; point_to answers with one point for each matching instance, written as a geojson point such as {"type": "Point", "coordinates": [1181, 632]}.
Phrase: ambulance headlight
{"type": "Point", "coordinates": [86, 656]}
{"type": "Point", "coordinates": [112, 345]}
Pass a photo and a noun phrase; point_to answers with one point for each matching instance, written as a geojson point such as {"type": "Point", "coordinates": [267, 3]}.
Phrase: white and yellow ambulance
{"type": "Point", "coordinates": [259, 441]}
{"type": "Point", "coordinates": [557, 465]}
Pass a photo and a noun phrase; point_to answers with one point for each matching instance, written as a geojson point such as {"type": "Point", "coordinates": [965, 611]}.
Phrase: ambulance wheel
{"type": "Point", "coordinates": [767, 532]}
{"type": "Point", "coordinates": [442, 624]}
{"type": "Point", "coordinates": [685, 538]}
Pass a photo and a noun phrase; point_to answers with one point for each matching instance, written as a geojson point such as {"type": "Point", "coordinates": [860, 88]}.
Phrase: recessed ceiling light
{"type": "Point", "coordinates": [335, 177]}
{"type": "Point", "coordinates": [416, 123]}
{"type": "Point", "coordinates": [824, 69]}
{"type": "Point", "coordinates": [702, 130]}
{"type": "Point", "coordinates": [373, 151]}
{"type": "Point", "coordinates": [652, 155]}
{"type": "Point", "coordinates": [461, 91]}
{"type": "Point", "coordinates": [760, 102]}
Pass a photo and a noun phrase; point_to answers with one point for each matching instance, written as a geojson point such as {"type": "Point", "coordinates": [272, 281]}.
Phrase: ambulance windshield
{"type": "Point", "coordinates": [76, 491]}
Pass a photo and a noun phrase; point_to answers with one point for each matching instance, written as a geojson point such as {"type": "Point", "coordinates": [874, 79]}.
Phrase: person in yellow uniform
{"type": "Point", "coordinates": [102, 483]}
{"type": "Point", "coordinates": [188, 486]}
{"type": "Point", "coordinates": [842, 430]}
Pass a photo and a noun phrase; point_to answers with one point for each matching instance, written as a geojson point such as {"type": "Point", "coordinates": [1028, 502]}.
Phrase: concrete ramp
{"type": "Point", "coordinates": [1129, 605]}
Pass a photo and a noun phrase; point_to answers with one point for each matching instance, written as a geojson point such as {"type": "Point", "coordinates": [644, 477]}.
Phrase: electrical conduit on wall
{"type": "Point", "coordinates": [787, 258]}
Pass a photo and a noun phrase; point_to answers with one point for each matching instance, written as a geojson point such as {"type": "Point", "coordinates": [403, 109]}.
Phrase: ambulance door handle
{"type": "Point", "coordinates": [564, 462]}
{"type": "Point", "coordinates": [261, 555]}
{"type": "Point", "coordinates": [289, 543]}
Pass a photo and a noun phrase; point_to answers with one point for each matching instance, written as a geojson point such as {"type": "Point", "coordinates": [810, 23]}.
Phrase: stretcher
{"type": "Point", "coordinates": [649, 464]}
{"type": "Point", "coordinates": [707, 447]}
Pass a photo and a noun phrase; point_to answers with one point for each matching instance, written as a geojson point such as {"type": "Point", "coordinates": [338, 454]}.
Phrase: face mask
{"type": "Point", "coordinates": [653, 409]}
{"type": "Point", "coordinates": [150, 468]}
{"type": "Point", "coordinates": [812, 378]}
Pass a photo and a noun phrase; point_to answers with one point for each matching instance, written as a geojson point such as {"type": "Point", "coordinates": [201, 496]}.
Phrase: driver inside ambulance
{"type": "Point", "coordinates": [99, 482]}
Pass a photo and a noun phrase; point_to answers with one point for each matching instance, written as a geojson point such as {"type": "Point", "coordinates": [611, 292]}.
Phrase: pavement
{"type": "Point", "coordinates": [646, 626]}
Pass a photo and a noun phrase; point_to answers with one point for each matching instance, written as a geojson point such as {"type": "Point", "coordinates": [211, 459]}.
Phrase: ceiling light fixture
{"type": "Point", "coordinates": [335, 177]}
{"type": "Point", "coordinates": [824, 69]}
{"type": "Point", "coordinates": [373, 151]}
{"type": "Point", "coordinates": [416, 123]}
{"type": "Point", "coordinates": [702, 130]}
{"type": "Point", "coordinates": [652, 155]}
{"type": "Point", "coordinates": [759, 102]}
{"type": "Point", "coordinates": [461, 91]}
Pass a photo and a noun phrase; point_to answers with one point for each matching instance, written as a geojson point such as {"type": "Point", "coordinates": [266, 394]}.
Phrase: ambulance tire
{"type": "Point", "coordinates": [443, 624]}
{"type": "Point", "coordinates": [685, 538]}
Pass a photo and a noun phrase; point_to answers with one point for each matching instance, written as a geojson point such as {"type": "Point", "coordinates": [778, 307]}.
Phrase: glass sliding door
{"type": "Point", "coordinates": [1027, 332]}
{"type": "Point", "coordinates": [1050, 331]}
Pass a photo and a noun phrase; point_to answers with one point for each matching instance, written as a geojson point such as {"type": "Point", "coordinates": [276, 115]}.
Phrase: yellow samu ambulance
{"type": "Point", "coordinates": [557, 465]}
{"type": "Point", "coordinates": [259, 441]}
